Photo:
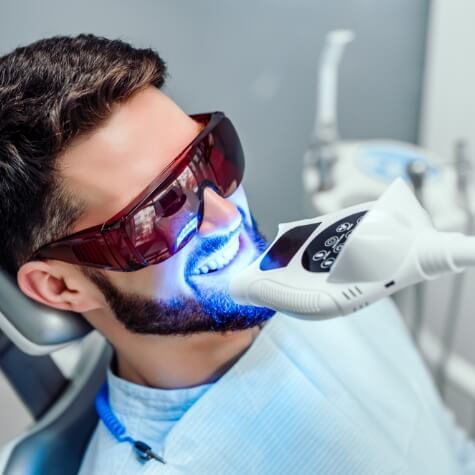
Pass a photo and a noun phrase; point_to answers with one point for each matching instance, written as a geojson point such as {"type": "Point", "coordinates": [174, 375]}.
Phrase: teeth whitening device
{"type": "Point", "coordinates": [341, 262]}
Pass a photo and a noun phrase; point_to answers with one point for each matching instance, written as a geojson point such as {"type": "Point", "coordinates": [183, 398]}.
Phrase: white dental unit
{"type": "Point", "coordinates": [339, 173]}
{"type": "Point", "coordinates": [358, 249]}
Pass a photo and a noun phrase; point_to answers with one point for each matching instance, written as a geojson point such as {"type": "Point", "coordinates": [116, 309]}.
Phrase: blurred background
{"type": "Point", "coordinates": [407, 77]}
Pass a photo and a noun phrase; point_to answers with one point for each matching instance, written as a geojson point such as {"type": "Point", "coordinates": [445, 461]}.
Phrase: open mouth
{"type": "Point", "coordinates": [219, 259]}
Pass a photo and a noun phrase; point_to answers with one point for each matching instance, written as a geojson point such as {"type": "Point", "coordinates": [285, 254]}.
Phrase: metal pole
{"type": "Point", "coordinates": [417, 171]}
{"type": "Point", "coordinates": [462, 167]}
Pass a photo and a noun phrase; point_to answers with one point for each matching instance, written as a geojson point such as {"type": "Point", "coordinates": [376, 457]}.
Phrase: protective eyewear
{"type": "Point", "coordinates": [168, 213]}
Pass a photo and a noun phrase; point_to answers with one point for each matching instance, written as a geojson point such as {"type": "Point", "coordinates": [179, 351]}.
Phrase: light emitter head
{"type": "Point", "coordinates": [339, 263]}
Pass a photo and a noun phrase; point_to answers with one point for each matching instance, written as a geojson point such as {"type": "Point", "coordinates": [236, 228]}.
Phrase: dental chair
{"type": "Point", "coordinates": [32, 337]}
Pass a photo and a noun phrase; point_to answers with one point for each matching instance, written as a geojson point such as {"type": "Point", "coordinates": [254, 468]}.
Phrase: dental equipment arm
{"type": "Point", "coordinates": [321, 153]}
{"type": "Point", "coordinates": [341, 262]}
{"type": "Point", "coordinates": [325, 126]}
{"type": "Point", "coordinates": [417, 171]}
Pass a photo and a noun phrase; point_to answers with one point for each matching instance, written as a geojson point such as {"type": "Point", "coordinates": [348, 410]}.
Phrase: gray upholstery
{"type": "Point", "coordinates": [35, 328]}
{"type": "Point", "coordinates": [38, 381]}
{"type": "Point", "coordinates": [56, 444]}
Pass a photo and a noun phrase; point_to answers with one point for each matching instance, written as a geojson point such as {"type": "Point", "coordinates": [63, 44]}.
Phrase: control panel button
{"type": "Point", "coordinates": [321, 253]}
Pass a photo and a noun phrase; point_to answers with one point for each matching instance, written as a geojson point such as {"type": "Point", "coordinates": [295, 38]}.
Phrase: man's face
{"type": "Point", "coordinates": [188, 292]}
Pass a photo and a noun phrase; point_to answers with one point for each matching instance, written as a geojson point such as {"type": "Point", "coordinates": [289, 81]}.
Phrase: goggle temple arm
{"type": "Point", "coordinates": [91, 251]}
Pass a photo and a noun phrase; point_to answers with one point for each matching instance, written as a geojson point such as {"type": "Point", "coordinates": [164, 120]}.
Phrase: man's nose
{"type": "Point", "coordinates": [219, 214]}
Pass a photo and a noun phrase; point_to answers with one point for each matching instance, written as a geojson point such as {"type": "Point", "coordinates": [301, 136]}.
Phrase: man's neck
{"type": "Point", "coordinates": [176, 361]}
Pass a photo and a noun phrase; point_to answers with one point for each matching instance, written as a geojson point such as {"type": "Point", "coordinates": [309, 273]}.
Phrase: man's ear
{"type": "Point", "coordinates": [50, 283]}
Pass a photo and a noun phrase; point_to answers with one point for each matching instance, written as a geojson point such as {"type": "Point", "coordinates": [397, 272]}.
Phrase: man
{"type": "Point", "coordinates": [118, 205]}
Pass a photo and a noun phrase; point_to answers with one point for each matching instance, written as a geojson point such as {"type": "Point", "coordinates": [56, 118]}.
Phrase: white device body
{"type": "Point", "coordinates": [341, 262]}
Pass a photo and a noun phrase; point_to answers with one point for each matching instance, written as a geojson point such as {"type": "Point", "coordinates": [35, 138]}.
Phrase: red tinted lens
{"type": "Point", "coordinates": [154, 228]}
{"type": "Point", "coordinates": [225, 156]}
{"type": "Point", "coordinates": [169, 218]}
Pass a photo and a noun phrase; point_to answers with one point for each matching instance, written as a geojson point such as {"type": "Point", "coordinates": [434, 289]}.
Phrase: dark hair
{"type": "Point", "coordinates": [51, 92]}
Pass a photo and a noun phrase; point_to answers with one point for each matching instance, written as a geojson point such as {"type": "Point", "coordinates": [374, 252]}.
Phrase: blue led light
{"type": "Point", "coordinates": [186, 231]}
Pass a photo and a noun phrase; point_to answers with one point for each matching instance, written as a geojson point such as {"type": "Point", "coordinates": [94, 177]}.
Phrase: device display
{"type": "Point", "coordinates": [282, 251]}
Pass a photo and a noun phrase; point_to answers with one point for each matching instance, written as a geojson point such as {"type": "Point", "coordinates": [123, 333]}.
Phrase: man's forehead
{"type": "Point", "coordinates": [110, 167]}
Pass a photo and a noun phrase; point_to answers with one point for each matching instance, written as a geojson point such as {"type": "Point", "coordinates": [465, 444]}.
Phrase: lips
{"type": "Point", "coordinates": [220, 258]}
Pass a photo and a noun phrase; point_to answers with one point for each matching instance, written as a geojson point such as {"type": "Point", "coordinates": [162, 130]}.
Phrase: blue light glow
{"type": "Point", "coordinates": [186, 231]}
{"type": "Point", "coordinates": [215, 300]}
{"type": "Point", "coordinates": [207, 247]}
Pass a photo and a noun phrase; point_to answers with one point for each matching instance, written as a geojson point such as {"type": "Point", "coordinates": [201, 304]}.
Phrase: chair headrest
{"type": "Point", "coordinates": [35, 328]}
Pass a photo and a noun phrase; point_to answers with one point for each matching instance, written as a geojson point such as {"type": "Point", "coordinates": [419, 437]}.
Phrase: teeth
{"type": "Point", "coordinates": [221, 259]}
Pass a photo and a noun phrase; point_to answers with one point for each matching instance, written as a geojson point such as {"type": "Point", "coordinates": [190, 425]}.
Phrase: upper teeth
{"type": "Point", "coordinates": [220, 258]}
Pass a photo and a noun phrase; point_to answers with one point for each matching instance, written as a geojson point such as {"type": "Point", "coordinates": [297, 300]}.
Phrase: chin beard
{"type": "Point", "coordinates": [181, 316]}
